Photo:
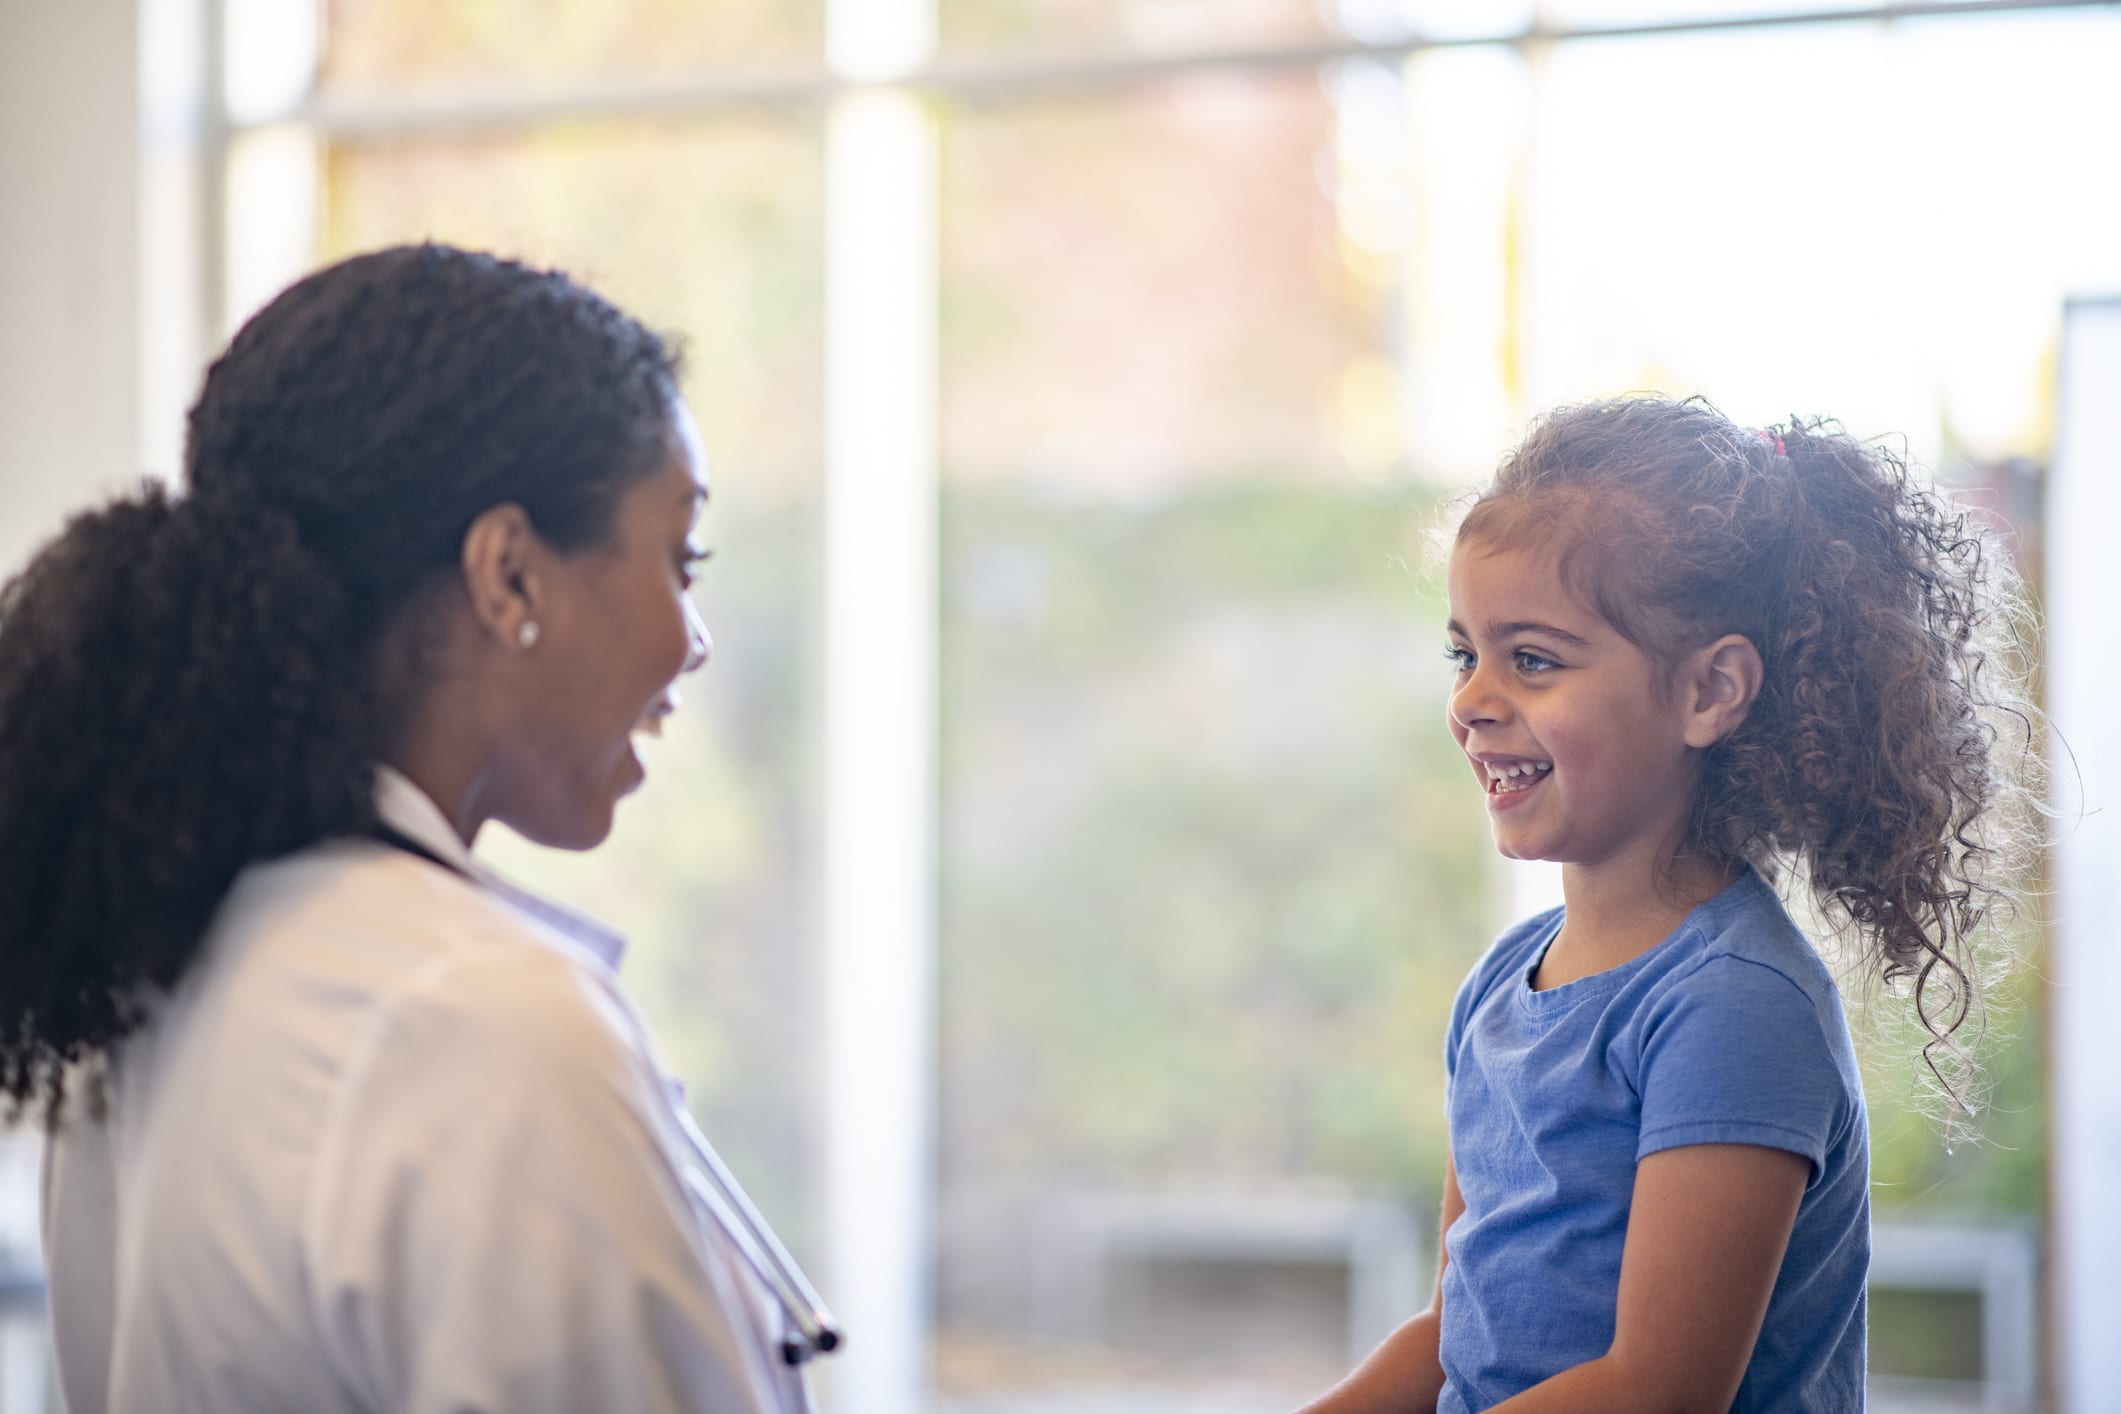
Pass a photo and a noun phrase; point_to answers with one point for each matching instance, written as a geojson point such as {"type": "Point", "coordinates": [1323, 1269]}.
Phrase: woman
{"type": "Point", "coordinates": [340, 1122]}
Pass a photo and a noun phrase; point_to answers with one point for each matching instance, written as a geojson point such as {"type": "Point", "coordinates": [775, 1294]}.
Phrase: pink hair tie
{"type": "Point", "coordinates": [1774, 437]}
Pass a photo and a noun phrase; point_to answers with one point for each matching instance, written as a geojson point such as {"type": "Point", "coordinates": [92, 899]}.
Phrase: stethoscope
{"type": "Point", "coordinates": [811, 1328]}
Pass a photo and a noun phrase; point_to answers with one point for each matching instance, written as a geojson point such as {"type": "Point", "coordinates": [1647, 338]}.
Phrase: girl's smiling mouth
{"type": "Point", "coordinates": [1507, 775]}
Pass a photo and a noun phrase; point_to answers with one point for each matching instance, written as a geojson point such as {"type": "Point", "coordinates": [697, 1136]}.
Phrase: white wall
{"type": "Point", "coordinates": [70, 385]}
{"type": "Point", "coordinates": [70, 381]}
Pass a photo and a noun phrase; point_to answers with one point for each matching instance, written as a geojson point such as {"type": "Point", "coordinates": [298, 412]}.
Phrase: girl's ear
{"type": "Point", "coordinates": [1717, 686]}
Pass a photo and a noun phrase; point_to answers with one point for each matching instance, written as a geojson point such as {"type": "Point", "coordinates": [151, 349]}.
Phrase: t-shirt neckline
{"type": "Point", "coordinates": [1600, 984]}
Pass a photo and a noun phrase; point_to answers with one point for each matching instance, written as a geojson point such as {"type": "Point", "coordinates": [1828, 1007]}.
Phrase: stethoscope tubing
{"type": "Point", "coordinates": [815, 1332]}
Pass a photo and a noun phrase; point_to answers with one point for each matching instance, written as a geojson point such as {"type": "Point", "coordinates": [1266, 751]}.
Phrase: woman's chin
{"type": "Point", "coordinates": [627, 775]}
{"type": "Point", "coordinates": [631, 770]}
{"type": "Point", "coordinates": [600, 811]}
{"type": "Point", "coordinates": [580, 830]}
{"type": "Point", "coordinates": [584, 819]}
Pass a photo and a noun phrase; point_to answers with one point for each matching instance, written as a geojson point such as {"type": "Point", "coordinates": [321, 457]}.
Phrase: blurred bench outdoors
{"type": "Point", "coordinates": [1954, 1306]}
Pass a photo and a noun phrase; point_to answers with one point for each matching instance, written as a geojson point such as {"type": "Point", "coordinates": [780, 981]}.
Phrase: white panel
{"type": "Point", "coordinates": [269, 57]}
{"type": "Point", "coordinates": [272, 190]}
{"type": "Point", "coordinates": [880, 756]}
{"type": "Point", "coordinates": [876, 41]}
{"type": "Point", "coordinates": [174, 338]}
{"type": "Point", "coordinates": [2084, 684]}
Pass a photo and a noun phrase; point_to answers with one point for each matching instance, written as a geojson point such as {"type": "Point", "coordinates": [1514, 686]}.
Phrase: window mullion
{"type": "Point", "coordinates": [879, 711]}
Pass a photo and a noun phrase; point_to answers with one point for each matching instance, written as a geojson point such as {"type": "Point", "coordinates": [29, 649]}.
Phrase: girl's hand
{"type": "Point", "coordinates": [1403, 1375]}
{"type": "Point", "coordinates": [1705, 1241]}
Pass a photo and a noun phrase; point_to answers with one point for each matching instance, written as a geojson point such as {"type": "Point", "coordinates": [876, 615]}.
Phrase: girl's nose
{"type": "Point", "coordinates": [1473, 702]}
{"type": "Point", "coordinates": [699, 644]}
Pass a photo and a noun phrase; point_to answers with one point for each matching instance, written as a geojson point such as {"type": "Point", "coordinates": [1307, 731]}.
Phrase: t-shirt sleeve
{"type": "Point", "coordinates": [496, 1224]}
{"type": "Point", "coordinates": [1737, 1053]}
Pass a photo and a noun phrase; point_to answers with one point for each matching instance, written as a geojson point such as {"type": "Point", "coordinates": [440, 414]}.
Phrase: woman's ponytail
{"type": "Point", "coordinates": [175, 703]}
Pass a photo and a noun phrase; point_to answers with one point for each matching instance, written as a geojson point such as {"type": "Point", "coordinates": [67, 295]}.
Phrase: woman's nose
{"type": "Point", "coordinates": [699, 644]}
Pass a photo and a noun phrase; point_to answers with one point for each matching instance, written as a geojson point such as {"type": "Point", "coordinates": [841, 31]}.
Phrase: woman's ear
{"type": "Point", "coordinates": [502, 560]}
{"type": "Point", "coordinates": [1717, 686]}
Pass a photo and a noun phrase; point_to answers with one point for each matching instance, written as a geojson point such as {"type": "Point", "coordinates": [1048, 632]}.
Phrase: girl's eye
{"type": "Point", "coordinates": [1531, 662]}
{"type": "Point", "coordinates": [694, 557]}
{"type": "Point", "coordinates": [1460, 658]}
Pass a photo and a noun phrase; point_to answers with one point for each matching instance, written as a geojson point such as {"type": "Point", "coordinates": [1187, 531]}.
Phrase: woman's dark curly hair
{"type": "Point", "coordinates": [191, 684]}
{"type": "Point", "coordinates": [1869, 761]}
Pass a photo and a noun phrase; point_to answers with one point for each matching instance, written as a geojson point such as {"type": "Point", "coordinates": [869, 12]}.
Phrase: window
{"type": "Point", "coordinates": [1055, 892]}
{"type": "Point", "coordinates": [1207, 339]}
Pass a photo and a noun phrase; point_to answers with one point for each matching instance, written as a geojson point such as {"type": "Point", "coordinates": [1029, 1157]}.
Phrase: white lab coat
{"type": "Point", "coordinates": [398, 1142]}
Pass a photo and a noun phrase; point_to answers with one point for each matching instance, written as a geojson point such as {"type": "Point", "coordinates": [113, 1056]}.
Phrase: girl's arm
{"type": "Point", "coordinates": [1403, 1375]}
{"type": "Point", "coordinates": [1705, 1241]}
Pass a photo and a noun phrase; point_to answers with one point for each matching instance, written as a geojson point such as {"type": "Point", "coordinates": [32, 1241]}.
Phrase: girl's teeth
{"type": "Point", "coordinates": [1519, 776]}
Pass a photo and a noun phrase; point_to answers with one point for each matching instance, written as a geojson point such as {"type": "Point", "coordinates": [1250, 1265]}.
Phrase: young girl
{"type": "Point", "coordinates": [1687, 653]}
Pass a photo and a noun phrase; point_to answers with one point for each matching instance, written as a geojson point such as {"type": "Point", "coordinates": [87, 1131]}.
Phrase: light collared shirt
{"type": "Point", "coordinates": [397, 1142]}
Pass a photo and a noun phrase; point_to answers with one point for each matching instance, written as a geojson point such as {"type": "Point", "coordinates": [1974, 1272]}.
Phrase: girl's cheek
{"type": "Point", "coordinates": [1565, 745]}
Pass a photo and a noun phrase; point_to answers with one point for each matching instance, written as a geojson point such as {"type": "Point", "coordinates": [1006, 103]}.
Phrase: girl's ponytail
{"type": "Point", "coordinates": [174, 705]}
{"type": "Point", "coordinates": [1877, 761]}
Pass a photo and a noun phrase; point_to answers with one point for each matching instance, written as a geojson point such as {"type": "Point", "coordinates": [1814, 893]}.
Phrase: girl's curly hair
{"type": "Point", "coordinates": [1886, 620]}
{"type": "Point", "coordinates": [189, 685]}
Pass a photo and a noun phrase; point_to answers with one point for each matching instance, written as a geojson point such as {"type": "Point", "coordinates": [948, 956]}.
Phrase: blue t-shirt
{"type": "Point", "coordinates": [1727, 1032]}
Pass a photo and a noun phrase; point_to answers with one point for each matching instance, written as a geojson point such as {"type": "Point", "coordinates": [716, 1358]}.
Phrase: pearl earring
{"type": "Point", "coordinates": [527, 635]}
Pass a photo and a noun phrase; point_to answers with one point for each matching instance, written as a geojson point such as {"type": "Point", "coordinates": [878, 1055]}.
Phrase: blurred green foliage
{"type": "Point", "coordinates": [1212, 869]}
{"type": "Point", "coordinates": [2000, 1171]}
